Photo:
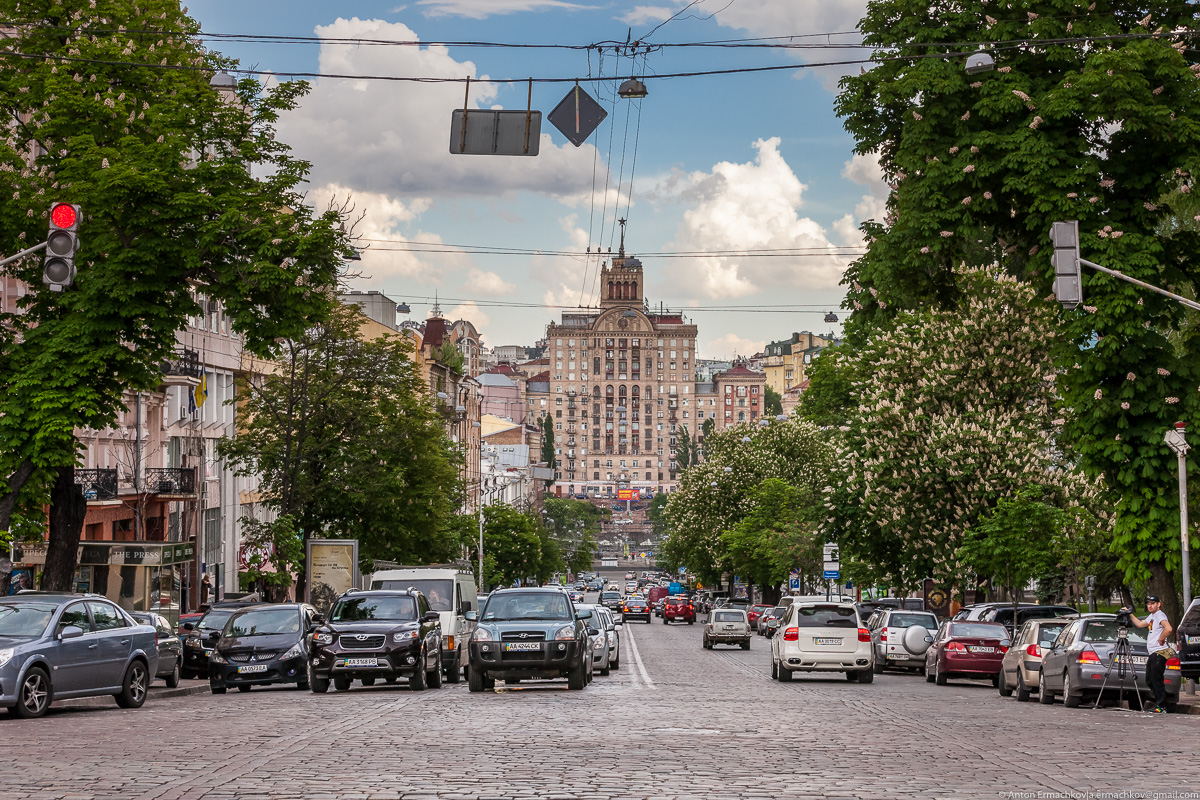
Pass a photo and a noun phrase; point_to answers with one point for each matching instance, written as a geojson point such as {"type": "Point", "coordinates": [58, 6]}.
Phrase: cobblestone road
{"type": "Point", "coordinates": [675, 722]}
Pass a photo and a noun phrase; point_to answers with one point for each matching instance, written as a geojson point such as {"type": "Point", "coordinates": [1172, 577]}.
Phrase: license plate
{"type": "Point", "coordinates": [980, 649]}
{"type": "Point", "coordinates": [252, 668]}
{"type": "Point", "coordinates": [1136, 659]}
{"type": "Point", "coordinates": [1193, 640]}
{"type": "Point", "coordinates": [727, 627]}
{"type": "Point", "coordinates": [360, 662]}
{"type": "Point", "coordinates": [823, 640]}
{"type": "Point", "coordinates": [898, 656]}
{"type": "Point", "coordinates": [522, 646]}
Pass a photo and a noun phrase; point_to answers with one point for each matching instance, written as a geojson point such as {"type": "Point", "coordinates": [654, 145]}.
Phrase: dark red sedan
{"type": "Point", "coordinates": [679, 608]}
{"type": "Point", "coordinates": [966, 650]}
{"type": "Point", "coordinates": [755, 613]}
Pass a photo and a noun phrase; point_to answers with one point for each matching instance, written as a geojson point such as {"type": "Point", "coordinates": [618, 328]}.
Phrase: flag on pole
{"type": "Point", "coordinates": [200, 393]}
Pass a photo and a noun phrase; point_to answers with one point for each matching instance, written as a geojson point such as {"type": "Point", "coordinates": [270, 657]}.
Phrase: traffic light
{"type": "Point", "coordinates": [58, 270]}
{"type": "Point", "coordinates": [1068, 281]}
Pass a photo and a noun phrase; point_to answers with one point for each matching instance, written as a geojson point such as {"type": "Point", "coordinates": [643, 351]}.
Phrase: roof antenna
{"type": "Point", "coordinates": [437, 309]}
{"type": "Point", "coordinates": [622, 223]}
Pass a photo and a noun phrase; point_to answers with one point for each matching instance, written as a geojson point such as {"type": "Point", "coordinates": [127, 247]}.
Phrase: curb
{"type": "Point", "coordinates": [104, 701]}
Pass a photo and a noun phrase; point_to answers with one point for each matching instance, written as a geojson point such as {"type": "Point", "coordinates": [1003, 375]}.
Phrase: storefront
{"type": "Point", "coordinates": [138, 576]}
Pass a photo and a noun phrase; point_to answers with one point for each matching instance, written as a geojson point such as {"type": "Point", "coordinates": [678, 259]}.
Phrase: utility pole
{"type": "Point", "coordinates": [1178, 443]}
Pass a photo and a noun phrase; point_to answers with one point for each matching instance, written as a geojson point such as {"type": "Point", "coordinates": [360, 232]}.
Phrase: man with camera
{"type": "Point", "coordinates": [1158, 648]}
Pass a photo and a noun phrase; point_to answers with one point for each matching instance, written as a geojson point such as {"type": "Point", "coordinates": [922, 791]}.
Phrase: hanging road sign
{"type": "Point", "coordinates": [495, 133]}
{"type": "Point", "coordinates": [577, 115]}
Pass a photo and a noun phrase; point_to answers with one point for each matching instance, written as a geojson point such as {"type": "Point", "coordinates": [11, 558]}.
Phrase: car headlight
{"type": "Point", "coordinates": [217, 658]}
{"type": "Point", "coordinates": [193, 641]}
{"type": "Point", "coordinates": [481, 635]}
{"type": "Point", "coordinates": [404, 636]}
{"type": "Point", "coordinates": [565, 632]}
{"type": "Point", "coordinates": [294, 652]}
{"type": "Point", "coordinates": [6, 655]}
{"type": "Point", "coordinates": [601, 643]}
{"type": "Point", "coordinates": [322, 637]}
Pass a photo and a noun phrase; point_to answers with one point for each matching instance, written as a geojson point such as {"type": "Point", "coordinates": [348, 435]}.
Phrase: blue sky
{"type": "Point", "coordinates": [733, 162]}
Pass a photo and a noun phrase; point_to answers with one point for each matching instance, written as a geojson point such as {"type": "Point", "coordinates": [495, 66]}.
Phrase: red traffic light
{"type": "Point", "coordinates": [64, 215]}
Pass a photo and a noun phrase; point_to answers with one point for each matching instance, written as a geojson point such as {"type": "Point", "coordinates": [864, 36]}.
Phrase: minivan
{"type": "Point", "coordinates": [450, 592]}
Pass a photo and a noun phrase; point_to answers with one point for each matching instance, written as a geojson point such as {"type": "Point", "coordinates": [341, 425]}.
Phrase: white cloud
{"type": "Point", "coordinates": [730, 345]}
{"type": "Point", "coordinates": [393, 138]}
{"type": "Point", "coordinates": [487, 283]}
{"type": "Point", "coordinates": [742, 207]}
{"type": "Point", "coordinates": [865, 171]}
{"type": "Point", "coordinates": [479, 9]}
{"type": "Point", "coordinates": [640, 15]}
{"type": "Point", "coordinates": [472, 313]}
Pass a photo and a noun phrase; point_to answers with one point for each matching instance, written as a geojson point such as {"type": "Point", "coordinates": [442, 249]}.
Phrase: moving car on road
{"type": "Point", "coordinates": [451, 593]}
{"type": "Point", "coordinates": [635, 608]}
{"type": "Point", "coordinates": [679, 609]}
{"type": "Point", "coordinates": [768, 623]}
{"type": "Point", "coordinates": [170, 646]}
{"type": "Point", "coordinates": [966, 650]}
{"type": "Point", "coordinates": [378, 633]}
{"type": "Point", "coordinates": [262, 645]}
{"type": "Point", "coordinates": [727, 626]}
{"type": "Point", "coordinates": [54, 646]}
{"type": "Point", "coordinates": [755, 612]}
{"type": "Point", "coordinates": [822, 637]}
{"type": "Point", "coordinates": [530, 633]}
{"type": "Point", "coordinates": [1022, 664]}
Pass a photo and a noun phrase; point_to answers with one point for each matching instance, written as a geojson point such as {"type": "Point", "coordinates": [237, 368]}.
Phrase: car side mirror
{"type": "Point", "coordinates": [466, 606]}
{"type": "Point", "coordinates": [593, 631]}
{"type": "Point", "coordinates": [431, 616]}
{"type": "Point", "coordinates": [583, 613]}
{"type": "Point", "coordinates": [928, 639]}
{"type": "Point", "coordinates": [318, 619]}
{"type": "Point", "coordinates": [187, 626]}
{"type": "Point", "coordinates": [214, 636]}
{"type": "Point", "coordinates": [70, 632]}
{"type": "Point", "coordinates": [470, 616]}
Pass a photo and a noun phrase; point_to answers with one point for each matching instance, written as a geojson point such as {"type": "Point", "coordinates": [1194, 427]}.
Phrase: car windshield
{"type": "Point", "coordinates": [365, 609]}
{"type": "Point", "coordinates": [908, 620]}
{"type": "Point", "coordinates": [636, 603]}
{"type": "Point", "coordinates": [528, 605]}
{"type": "Point", "coordinates": [1106, 631]}
{"type": "Point", "coordinates": [610, 595]}
{"type": "Point", "coordinates": [978, 630]}
{"type": "Point", "coordinates": [777, 611]}
{"type": "Point", "coordinates": [1048, 633]}
{"type": "Point", "coordinates": [439, 592]}
{"type": "Point", "coordinates": [263, 622]}
{"type": "Point", "coordinates": [729, 616]}
{"type": "Point", "coordinates": [24, 620]}
{"type": "Point", "coordinates": [820, 616]}
{"type": "Point", "coordinates": [215, 619]}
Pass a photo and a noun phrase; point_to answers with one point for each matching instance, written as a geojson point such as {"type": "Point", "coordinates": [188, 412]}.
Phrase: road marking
{"type": "Point", "coordinates": [637, 657]}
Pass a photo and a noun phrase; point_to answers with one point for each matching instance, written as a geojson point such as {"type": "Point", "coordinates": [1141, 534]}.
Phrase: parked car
{"type": "Point", "coordinates": [768, 623]}
{"type": "Point", "coordinates": [613, 630]}
{"type": "Point", "coordinates": [1188, 642]}
{"type": "Point", "coordinates": [530, 633]}
{"type": "Point", "coordinates": [598, 641]}
{"type": "Point", "coordinates": [975, 612]}
{"type": "Point", "coordinates": [1077, 664]}
{"type": "Point", "coordinates": [1004, 615]}
{"type": "Point", "coordinates": [197, 641]}
{"type": "Point", "coordinates": [55, 646]}
{"type": "Point", "coordinates": [262, 645]}
{"type": "Point", "coordinates": [966, 650]}
{"type": "Point", "coordinates": [895, 645]}
{"type": "Point", "coordinates": [449, 592]}
{"type": "Point", "coordinates": [635, 608]}
{"type": "Point", "coordinates": [727, 626]}
{"type": "Point", "coordinates": [680, 609]}
{"type": "Point", "coordinates": [822, 637]}
{"type": "Point", "coordinates": [756, 611]}
{"type": "Point", "coordinates": [1022, 663]}
{"type": "Point", "coordinates": [378, 633]}
{"type": "Point", "coordinates": [170, 646]}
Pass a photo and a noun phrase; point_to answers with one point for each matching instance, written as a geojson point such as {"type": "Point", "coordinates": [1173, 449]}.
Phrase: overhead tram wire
{"type": "Point", "coordinates": [612, 122]}
{"type": "Point", "coordinates": [785, 308]}
{"type": "Point", "coordinates": [592, 202]}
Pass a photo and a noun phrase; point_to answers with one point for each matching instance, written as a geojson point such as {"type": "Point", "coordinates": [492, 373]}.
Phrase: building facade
{"type": "Point", "coordinates": [785, 362]}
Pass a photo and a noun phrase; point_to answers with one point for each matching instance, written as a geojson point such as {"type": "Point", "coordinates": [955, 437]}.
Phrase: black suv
{"type": "Point", "coordinates": [529, 633]}
{"type": "Point", "coordinates": [381, 633]}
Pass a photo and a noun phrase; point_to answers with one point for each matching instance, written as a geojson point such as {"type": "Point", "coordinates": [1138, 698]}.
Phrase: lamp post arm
{"type": "Point", "coordinates": [1192, 304]}
{"type": "Point", "coordinates": [23, 253]}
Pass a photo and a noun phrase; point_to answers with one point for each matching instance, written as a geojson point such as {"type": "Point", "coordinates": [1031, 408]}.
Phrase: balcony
{"type": "Point", "coordinates": [172, 481]}
{"type": "Point", "coordinates": [98, 485]}
{"type": "Point", "coordinates": [182, 369]}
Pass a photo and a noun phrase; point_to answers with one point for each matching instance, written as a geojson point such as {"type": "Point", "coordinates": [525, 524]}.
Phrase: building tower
{"type": "Point", "coordinates": [621, 281]}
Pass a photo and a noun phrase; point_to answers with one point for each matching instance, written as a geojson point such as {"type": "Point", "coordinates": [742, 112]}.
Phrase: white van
{"type": "Point", "coordinates": [450, 592]}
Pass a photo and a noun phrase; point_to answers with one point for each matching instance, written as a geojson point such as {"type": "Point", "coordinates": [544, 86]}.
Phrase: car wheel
{"type": "Point", "coordinates": [774, 670]}
{"type": "Point", "coordinates": [1045, 696]}
{"type": "Point", "coordinates": [691, 622]}
{"type": "Point", "coordinates": [746, 645]}
{"type": "Point", "coordinates": [133, 689]}
{"type": "Point", "coordinates": [1070, 698]}
{"type": "Point", "coordinates": [1002, 685]}
{"type": "Point", "coordinates": [33, 696]}
{"type": "Point", "coordinates": [665, 622]}
{"type": "Point", "coordinates": [417, 681]}
{"type": "Point", "coordinates": [616, 665]}
{"type": "Point", "coordinates": [939, 677]}
{"type": "Point", "coordinates": [1022, 690]}
{"type": "Point", "coordinates": [173, 678]}
{"type": "Point", "coordinates": [851, 676]}
{"type": "Point", "coordinates": [604, 672]}
{"type": "Point", "coordinates": [475, 680]}
{"type": "Point", "coordinates": [928, 674]}
{"type": "Point", "coordinates": [216, 689]}
{"type": "Point", "coordinates": [434, 677]}
{"type": "Point", "coordinates": [866, 676]}
{"type": "Point", "coordinates": [243, 687]}
{"type": "Point", "coordinates": [368, 681]}
{"type": "Point", "coordinates": [785, 674]}
{"type": "Point", "coordinates": [577, 677]}
{"type": "Point", "coordinates": [877, 667]}
{"type": "Point", "coordinates": [342, 684]}
{"type": "Point", "coordinates": [454, 674]}
{"type": "Point", "coordinates": [318, 685]}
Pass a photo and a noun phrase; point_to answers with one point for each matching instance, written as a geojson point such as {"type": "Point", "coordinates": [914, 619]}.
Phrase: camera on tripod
{"type": "Point", "coordinates": [1124, 620]}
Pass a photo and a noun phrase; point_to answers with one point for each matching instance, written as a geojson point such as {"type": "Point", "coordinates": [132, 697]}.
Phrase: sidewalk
{"type": "Point", "coordinates": [158, 691]}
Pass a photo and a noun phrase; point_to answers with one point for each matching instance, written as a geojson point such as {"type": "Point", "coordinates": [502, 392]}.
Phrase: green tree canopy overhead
{"type": "Point", "coordinates": [114, 124]}
{"type": "Point", "coordinates": [1100, 124]}
{"type": "Point", "coordinates": [777, 536]}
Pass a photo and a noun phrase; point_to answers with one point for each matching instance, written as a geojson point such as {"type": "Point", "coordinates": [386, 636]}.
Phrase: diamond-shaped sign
{"type": "Point", "coordinates": [577, 115]}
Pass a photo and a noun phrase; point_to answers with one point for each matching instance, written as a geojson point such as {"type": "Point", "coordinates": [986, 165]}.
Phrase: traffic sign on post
{"type": "Point", "coordinates": [832, 562]}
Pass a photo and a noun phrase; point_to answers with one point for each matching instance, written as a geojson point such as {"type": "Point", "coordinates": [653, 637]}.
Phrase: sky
{"type": "Point", "coordinates": [702, 166]}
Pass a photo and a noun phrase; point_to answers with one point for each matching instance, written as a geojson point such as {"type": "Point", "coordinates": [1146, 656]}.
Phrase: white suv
{"type": "Point", "coordinates": [822, 637]}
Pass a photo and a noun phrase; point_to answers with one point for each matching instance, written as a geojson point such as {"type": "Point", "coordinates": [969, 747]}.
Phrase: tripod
{"type": "Point", "coordinates": [1123, 658]}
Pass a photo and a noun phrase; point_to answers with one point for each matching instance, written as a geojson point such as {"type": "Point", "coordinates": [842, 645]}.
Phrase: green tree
{"type": "Point", "coordinates": [776, 537]}
{"type": "Point", "coordinates": [774, 402]}
{"type": "Point", "coordinates": [829, 398]}
{"type": "Point", "coordinates": [574, 525]}
{"type": "Point", "coordinates": [450, 356]}
{"type": "Point", "coordinates": [114, 123]}
{"type": "Point", "coordinates": [684, 449]}
{"type": "Point", "coordinates": [346, 443]}
{"type": "Point", "coordinates": [1100, 124]}
{"type": "Point", "coordinates": [548, 456]}
{"type": "Point", "coordinates": [512, 547]}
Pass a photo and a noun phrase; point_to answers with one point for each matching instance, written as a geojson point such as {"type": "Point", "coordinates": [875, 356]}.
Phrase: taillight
{"type": "Point", "coordinates": [864, 635]}
{"type": "Point", "coordinates": [883, 635]}
{"type": "Point", "coordinates": [1034, 651]}
{"type": "Point", "coordinates": [1003, 648]}
{"type": "Point", "coordinates": [1088, 657]}
{"type": "Point", "coordinates": [956, 647]}
{"type": "Point", "coordinates": [1172, 663]}
{"type": "Point", "coordinates": [791, 635]}
{"type": "Point", "coordinates": [691, 607]}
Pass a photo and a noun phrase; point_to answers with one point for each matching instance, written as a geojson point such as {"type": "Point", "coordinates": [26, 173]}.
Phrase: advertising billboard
{"type": "Point", "coordinates": [626, 494]}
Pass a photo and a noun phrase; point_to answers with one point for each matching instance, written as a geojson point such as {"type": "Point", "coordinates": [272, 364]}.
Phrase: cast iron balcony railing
{"type": "Point", "coordinates": [171, 480]}
{"type": "Point", "coordinates": [97, 484]}
{"type": "Point", "coordinates": [182, 368]}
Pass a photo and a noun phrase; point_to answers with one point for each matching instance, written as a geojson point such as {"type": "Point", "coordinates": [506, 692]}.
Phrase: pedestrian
{"type": "Point", "coordinates": [205, 588]}
{"type": "Point", "coordinates": [1158, 648]}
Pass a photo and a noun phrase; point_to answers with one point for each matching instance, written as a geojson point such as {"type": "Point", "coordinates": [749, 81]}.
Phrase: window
{"type": "Point", "coordinates": [105, 617]}
{"type": "Point", "coordinates": [75, 614]}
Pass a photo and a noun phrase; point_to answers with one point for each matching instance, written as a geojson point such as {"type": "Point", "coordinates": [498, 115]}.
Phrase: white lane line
{"type": "Point", "coordinates": [638, 658]}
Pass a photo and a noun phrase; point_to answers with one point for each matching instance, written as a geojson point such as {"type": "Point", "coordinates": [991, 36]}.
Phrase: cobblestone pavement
{"type": "Point", "coordinates": [675, 721]}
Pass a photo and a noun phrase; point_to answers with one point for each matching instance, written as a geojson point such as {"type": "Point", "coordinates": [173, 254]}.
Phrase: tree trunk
{"type": "Point", "coordinates": [67, 511]}
{"type": "Point", "coordinates": [1162, 583]}
{"type": "Point", "coordinates": [8, 501]}
{"type": "Point", "coordinates": [770, 594]}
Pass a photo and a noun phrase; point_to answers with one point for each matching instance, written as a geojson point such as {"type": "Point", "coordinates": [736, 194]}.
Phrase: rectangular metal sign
{"type": "Point", "coordinates": [495, 133]}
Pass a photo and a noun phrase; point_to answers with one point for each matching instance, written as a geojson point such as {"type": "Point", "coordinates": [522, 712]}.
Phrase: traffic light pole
{"type": "Point", "coordinates": [1189, 303]}
{"type": "Point", "coordinates": [23, 253]}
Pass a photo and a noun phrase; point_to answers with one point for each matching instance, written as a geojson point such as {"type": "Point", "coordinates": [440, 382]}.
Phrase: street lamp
{"type": "Point", "coordinates": [980, 62]}
{"type": "Point", "coordinates": [1178, 443]}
